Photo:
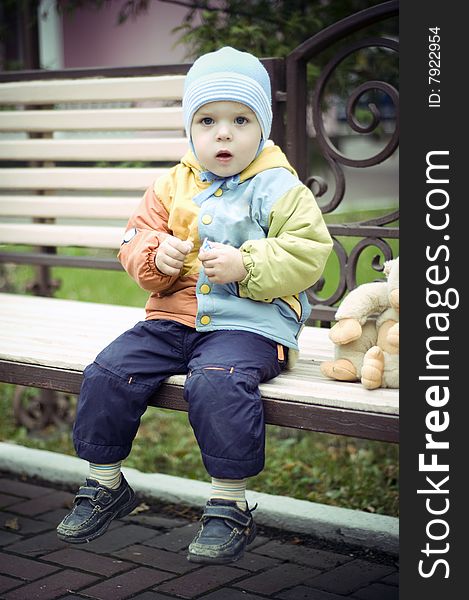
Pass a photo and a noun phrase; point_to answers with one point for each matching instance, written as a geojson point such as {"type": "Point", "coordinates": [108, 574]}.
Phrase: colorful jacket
{"type": "Point", "coordinates": [266, 212]}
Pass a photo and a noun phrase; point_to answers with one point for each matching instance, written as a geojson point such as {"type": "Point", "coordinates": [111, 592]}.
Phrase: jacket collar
{"type": "Point", "coordinates": [270, 158]}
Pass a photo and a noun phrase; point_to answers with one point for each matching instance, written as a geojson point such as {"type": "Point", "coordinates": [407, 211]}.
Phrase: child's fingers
{"type": "Point", "coordinates": [184, 246]}
{"type": "Point", "coordinates": [175, 263]}
{"type": "Point", "coordinates": [211, 273]}
{"type": "Point", "coordinates": [167, 265]}
{"type": "Point", "coordinates": [176, 248]}
{"type": "Point", "coordinates": [207, 255]}
{"type": "Point", "coordinates": [189, 244]}
{"type": "Point", "coordinates": [170, 270]}
{"type": "Point", "coordinates": [174, 253]}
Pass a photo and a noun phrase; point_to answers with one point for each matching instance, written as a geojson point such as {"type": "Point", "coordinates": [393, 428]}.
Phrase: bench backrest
{"type": "Point", "coordinates": [65, 138]}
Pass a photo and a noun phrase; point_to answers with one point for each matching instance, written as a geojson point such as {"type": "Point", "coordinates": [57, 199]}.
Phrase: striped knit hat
{"type": "Point", "coordinates": [229, 75]}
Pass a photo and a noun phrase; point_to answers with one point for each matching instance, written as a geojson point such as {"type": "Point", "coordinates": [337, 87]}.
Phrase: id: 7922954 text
{"type": "Point", "coordinates": [434, 69]}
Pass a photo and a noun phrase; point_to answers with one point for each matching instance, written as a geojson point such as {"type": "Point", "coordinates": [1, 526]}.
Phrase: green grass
{"type": "Point", "coordinates": [334, 470]}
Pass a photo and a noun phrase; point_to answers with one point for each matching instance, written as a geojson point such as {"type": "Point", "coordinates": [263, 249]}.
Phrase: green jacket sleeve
{"type": "Point", "coordinates": [293, 255]}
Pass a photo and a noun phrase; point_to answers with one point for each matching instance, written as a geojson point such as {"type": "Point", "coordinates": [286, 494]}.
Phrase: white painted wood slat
{"type": "Point", "coordinates": [122, 149]}
{"type": "Point", "coordinates": [111, 89]}
{"type": "Point", "coordinates": [34, 333]}
{"type": "Point", "coordinates": [113, 119]}
{"type": "Point", "coordinates": [61, 235]}
{"type": "Point", "coordinates": [78, 178]}
{"type": "Point", "coordinates": [88, 207]}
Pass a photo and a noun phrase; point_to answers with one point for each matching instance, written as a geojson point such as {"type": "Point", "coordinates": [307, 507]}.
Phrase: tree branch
{"type": "Point", "coordinates": [194, 5]}
{"type": "Point", "coordinates": [206, 6]}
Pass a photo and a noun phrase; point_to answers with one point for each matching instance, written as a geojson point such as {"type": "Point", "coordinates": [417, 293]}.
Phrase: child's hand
{"type": "Point", "coordinates": [171, 254]}
{"type": "Point", "coordinates": [223, 263]}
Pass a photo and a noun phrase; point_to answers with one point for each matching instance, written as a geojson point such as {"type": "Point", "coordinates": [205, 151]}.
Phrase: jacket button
{"type": "Point", "coordinates": [205, 320]}
{"type": "Point", "coordinates": [206, 219]}
{"type": "Point", "coordinates": [219, 192]}
{"type": "Point", "coordinates": [205, 288]}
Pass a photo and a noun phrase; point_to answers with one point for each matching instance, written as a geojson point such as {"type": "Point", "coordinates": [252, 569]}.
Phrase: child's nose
{"type": "Point", "coordinates": [224, 132]}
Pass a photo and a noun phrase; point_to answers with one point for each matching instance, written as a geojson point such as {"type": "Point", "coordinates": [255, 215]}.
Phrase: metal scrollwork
{"type": "Point", "coordinates": [332, 155]}
{"type": "Point", "coordinates": [317, 185]}
{"type": "Point", "coordinates": [374, 232]}
{"type": "Point", "coordinates": [347, 278]}
{"type": "Point", "coordinates": [339, 179]}
{"type": "Point", "coordinates": [313, 292]}
{"type": "Point", "coordinates": [351, 272]}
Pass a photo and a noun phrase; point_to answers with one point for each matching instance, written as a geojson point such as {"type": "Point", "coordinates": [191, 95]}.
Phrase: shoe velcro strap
{"type": "Point", "coordinates": [228, 512]}
{"type": "Point", "coordinates": [91, 493]}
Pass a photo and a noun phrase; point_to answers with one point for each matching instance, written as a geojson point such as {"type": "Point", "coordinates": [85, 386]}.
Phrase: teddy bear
{"type": "Point", "coordinates": [366, 334]}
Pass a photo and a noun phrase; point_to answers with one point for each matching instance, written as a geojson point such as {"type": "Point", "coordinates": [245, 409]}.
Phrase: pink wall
{"type": "Point", "coordinates": [92, 38]}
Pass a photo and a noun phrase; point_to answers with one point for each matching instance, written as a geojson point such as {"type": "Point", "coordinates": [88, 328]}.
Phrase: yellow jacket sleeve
{"type": "Point", "coordinates": [293, 255]}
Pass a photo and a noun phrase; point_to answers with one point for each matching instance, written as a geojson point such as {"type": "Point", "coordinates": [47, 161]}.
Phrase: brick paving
{"type": "Point", "coordinates": [143, 557]}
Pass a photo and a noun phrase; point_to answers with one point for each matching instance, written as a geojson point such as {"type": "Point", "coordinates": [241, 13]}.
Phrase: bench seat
{"type": "Point", "coordinates": [47, 342]}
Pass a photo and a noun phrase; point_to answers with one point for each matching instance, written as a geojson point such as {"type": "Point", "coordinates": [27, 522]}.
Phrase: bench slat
{"type": "Point", "coordinates": [79, 178]}
{"type": "Point", "coordinates": [39, 330]}
{"type": "Point", "coordinates": [89, 207]}
{"type": "Point", "coordinates": [300, 415]}
{"type": "Point", "coordinates": [120, 119]}
{"type": "Point", "coordinates": [112, 89]}
{"type": "Point", "coordinates": [60, 260]}
{"type": "Point", "coordinates": [61, 235]}
{"type": "Point", "coordinates": [153, 149]}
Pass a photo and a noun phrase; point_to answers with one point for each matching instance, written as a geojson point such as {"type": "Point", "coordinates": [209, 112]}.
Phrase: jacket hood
{"type": "Point", "coordinates": [271, 157]}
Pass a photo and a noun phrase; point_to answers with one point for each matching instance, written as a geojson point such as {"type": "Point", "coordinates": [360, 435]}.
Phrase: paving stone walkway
{"type": "Point", "coordinates": [143, 556]}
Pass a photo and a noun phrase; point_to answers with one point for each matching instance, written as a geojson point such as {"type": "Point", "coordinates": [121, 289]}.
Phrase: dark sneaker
{"type": "Point", "coordinates": [225, 532]}
{"type": "Point", "coordinates": [94, 508]}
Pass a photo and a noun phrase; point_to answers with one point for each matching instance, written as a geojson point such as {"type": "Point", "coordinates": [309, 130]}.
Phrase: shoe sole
{"type": "Point", "coordinates": [125, 510]}
{"type": "Point", "coordinates": [222, 560]}
{"type": "Point", "coordinates": [197, 558]}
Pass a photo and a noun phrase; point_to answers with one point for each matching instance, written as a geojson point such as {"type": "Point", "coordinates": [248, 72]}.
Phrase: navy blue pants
{"type": "Point", "coordinates": [224, 369]}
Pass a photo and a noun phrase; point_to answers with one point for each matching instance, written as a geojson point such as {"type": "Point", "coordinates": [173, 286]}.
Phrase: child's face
{"type": "Point", "coordinates": [226, 137]}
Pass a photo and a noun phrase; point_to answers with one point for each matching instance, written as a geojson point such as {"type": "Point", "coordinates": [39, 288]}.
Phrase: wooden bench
{"type": "Point", "coordinates": [47, 342]}
{"type": "Point", "coordinates": [63, 138]}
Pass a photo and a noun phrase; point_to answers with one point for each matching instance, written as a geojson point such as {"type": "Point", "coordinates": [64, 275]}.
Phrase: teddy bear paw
{"type": "Point", "coordinates": [393, 336]}
{"type": "Point", "coordinates": [373, 368]}
{"type": "Point", "coordinates": [394, 298]}
{"type": "Point", "coordinates": [345, 331]}
{"type": "Point", "coordinates": [340, 369]}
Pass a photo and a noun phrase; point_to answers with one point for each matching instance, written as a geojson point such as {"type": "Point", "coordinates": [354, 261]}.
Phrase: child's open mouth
{"type": "Point", "coordinates": [224, 156]}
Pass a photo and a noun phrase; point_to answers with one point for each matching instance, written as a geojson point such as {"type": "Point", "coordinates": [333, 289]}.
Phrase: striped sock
{"type": "Point", "coordinates": [107, 475]}
{"type": "Point", "coordinates": [230, 489]}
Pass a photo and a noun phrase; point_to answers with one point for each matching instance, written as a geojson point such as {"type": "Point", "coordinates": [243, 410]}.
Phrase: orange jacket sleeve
{"type": "Point", "coordinates": [137, 256]}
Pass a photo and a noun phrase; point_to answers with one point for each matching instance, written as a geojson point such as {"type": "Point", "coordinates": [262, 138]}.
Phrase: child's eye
{"type": "Point", "coordinates": [241, 120]}
{"type": "Point", "coordinates": [207, 121]}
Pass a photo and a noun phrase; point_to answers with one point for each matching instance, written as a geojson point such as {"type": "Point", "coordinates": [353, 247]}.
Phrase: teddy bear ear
{"type": "Point", "coordinates": [388, 264]}
{"type": "Point", "coordinates": [387, 267]}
